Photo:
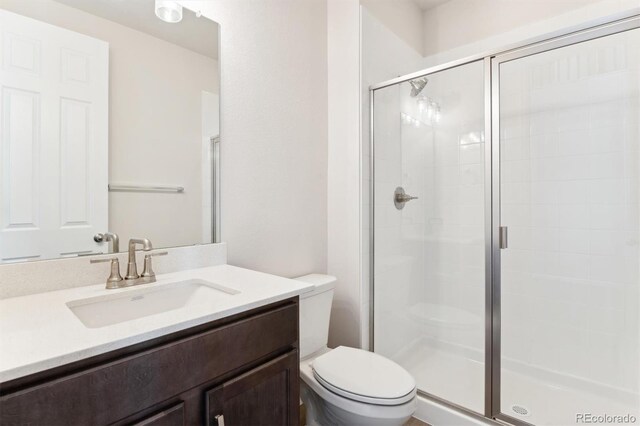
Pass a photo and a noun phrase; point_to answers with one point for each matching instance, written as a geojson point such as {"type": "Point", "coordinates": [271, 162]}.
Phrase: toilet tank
{"type": "Point", "coordinates": [315, 310]}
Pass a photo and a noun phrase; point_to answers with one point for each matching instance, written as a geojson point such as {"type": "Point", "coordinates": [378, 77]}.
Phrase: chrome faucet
{"type": "Point", "coordinates": [132, 277]}
{"type": "Point", "coordinates": [132, 268]}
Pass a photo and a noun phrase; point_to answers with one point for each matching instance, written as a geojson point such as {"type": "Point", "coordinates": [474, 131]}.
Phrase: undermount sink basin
{"type": "Point", "coordinates": [100, 311]}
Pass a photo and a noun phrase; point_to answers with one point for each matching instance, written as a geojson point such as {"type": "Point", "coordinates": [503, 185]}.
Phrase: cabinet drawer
{"type": "Point", "coordinates": [174, 416]}
{"type": "Point", "coordinates": [117, 389]}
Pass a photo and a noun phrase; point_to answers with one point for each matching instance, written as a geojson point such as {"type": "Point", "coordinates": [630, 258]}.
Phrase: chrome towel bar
{"type": "Point", "coordinates": [144, 188]}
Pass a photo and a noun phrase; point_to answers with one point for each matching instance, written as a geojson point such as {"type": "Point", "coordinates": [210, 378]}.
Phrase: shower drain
{"type": "Point", "coordinates": [520, 410]}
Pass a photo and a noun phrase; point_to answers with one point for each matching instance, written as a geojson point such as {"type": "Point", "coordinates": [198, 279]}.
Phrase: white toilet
{"type": "Point", "coordinates": [346, 386]}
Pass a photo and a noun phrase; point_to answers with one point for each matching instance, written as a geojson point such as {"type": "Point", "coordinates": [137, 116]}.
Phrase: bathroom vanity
{"type": "Point", "coordinates": [234, 363]}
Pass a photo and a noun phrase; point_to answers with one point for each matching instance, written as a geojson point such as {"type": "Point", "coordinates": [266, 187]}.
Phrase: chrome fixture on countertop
{"type": "Point", "coordinates": [132, 267]}
{"type": "Point", "coordinates": [132, 277]}
{"type": "Point", "coordinates": [115, 279]}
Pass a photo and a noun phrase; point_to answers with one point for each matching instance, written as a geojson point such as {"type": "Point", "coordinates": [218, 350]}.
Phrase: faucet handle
{"type": "Point", "coordinates": [115, 278]}
{"type": "Point", "coordinates": [105, 260]}
{"type": "Point", "coordinates": [147, 272]}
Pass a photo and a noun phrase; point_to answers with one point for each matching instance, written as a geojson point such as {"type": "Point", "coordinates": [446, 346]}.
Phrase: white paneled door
{"type": "Point", "coordinates": [53, 140]}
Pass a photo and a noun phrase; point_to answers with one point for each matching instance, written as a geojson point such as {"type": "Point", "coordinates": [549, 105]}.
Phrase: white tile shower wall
{"type": "Point", "coordinates": [429, 271]}
{"type": "Point", "coordinates": [401, 150]}
{"type": "Point", "coordinates": [453, 171]}
{"type": "Point", "coordinates": [21, 279]}
{"type": "Point", "coordinates": [384, 55]}
{"type": "Point", "coordinates": [430, 254]}
{"type": "Point", "coordinates": [397, 264]}
{"type": "Point", "coordinates": [429, 263]}
{"type": "Point", "coordinates": [570, 196]}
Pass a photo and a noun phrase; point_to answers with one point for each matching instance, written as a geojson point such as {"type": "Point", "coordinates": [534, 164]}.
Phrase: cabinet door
{"type": "Point", "coordinates": [265, 396]}
{"type": "Point", "coordinates": [173, 416]}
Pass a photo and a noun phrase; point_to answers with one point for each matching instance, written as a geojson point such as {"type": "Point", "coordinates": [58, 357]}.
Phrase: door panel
{"type": "Point", "coordinates": [429, 254]}
{"type": "Point", "coordinates": [569, 141]}
{"type": "Point", "coordinates": [53, 154]}
{"type": "Point", "coordinates": [21, 127]}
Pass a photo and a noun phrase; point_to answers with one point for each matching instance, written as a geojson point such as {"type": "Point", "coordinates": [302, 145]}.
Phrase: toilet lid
{"type": "Point", "coordinates": [364, 376]}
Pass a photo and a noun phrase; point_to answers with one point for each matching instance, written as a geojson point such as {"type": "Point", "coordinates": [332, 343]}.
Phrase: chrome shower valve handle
{"type": "Point", "coordinates": [400, 198]}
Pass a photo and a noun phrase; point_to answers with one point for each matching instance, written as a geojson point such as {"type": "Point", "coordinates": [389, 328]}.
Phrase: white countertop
{"type": "Point", "coordinates": [39, 331]}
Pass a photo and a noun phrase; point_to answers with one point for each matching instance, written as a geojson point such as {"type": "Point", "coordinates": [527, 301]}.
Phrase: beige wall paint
{"type": "Point", "coordinates": [274, 132]}
{"type": "Point", "coordinates": [344, 171]}
{"type": "Point", "coordinates": [466, 26]}
{"type": "Point", "coordinates": [460, 22]}
{"type": "Point", "coordinates": [154, 127]}
{"type": "Point", "coordinates": [402, 17]}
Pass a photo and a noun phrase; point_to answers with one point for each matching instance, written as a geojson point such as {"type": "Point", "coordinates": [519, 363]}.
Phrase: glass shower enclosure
{"type": "Point", "coordinates": [506, 228]}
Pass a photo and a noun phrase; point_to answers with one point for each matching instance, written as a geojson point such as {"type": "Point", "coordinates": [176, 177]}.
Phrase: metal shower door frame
{"type": "Point", "coordinates": [586, 35]}
{"type": "Point", "coordinates": [492, 60]}
{"type": "Point", "coordinates": [487, 130]}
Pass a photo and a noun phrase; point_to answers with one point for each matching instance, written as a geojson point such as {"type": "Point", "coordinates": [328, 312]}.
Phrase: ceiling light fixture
{"type": "Point", "coordinates": [169, 11]}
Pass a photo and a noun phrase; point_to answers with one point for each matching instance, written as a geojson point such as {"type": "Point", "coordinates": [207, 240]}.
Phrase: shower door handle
{"type": "Point", "coordinates": [503, 237]}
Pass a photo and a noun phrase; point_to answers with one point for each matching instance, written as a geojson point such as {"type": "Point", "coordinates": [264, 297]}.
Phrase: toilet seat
{"type": "Point", "coordinates": [364, 376]}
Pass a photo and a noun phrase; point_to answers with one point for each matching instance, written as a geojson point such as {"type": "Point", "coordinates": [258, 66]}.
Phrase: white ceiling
{"type": "Point", "coordinates": [197, 34]}
{"type": "Point", "coordinates": [429, 4]}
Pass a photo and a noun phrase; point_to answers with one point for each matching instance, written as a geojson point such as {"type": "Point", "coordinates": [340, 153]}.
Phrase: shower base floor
{"type": "Point", "coordinates": [460, 380]}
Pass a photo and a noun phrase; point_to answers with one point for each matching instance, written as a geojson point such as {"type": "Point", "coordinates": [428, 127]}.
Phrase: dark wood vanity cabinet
{"type": "Point", "coordinates": [256, 397]}
{"type": "Point", "coordinates": [174, 415]}
{"type": "Point", "coordinates": [239, 371]}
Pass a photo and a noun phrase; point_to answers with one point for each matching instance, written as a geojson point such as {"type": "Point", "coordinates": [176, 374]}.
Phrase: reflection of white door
{"type": "Point", "coordinates": [53, 140]}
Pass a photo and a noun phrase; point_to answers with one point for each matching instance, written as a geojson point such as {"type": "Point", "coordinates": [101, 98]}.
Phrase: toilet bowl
{"type": "Point", "coordinates": [346, 386]}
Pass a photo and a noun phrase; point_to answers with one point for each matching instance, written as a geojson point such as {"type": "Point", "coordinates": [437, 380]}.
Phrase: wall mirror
{"type": "Point", "coordinates": [109, 124]}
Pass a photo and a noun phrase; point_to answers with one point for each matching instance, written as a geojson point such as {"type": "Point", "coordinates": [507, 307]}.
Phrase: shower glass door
{"type": "Point", "coordinates": [569, 138]}
{"type": "Point", "coordinates": [429, 259]}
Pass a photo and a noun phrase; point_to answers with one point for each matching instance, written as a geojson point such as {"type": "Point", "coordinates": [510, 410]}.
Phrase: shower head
{"type": "Point", "coordinates": [417, 84]}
